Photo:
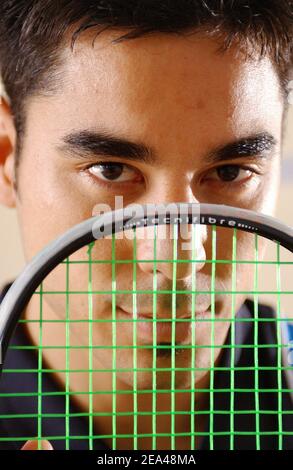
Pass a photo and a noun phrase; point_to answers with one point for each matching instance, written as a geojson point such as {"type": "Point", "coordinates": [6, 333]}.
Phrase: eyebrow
{"type": "Point", "coordinates": [85, 144]}
{"type": "Point", "coordinates": [259, 146]}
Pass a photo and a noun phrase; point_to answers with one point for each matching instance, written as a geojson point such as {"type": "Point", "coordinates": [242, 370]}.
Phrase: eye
{"type": "Point", "coordinates": [231, 173]}
{"type": "Point", "coordinates": [114, 172]}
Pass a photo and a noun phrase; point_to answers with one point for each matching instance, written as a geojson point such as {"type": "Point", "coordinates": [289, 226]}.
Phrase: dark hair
{"type": "Point", "coordinates": [32, 31]}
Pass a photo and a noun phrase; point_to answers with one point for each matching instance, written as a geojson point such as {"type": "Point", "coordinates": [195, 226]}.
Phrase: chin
{"type": "Point", "coordinates": [162, 379]}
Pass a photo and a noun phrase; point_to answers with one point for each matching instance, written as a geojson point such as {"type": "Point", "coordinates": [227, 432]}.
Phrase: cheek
{"type": "Point", "coordinates": [85, 278]}
{"type": "Point", "coordinates": [50, 202]}
{"type": "Point", "coordinates": [270, 191]}
{"type": "Point", "coordinates": [237, 268]}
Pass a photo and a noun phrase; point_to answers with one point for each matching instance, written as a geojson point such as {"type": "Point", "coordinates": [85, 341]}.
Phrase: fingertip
{"type": "Point", "coordinates": [34, 445]}
{"type": "Point", "coordinates": [46, 445]}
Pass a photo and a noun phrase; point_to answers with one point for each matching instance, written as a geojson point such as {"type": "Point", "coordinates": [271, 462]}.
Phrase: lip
{"type": "Point", "coordinates": [165, 330]}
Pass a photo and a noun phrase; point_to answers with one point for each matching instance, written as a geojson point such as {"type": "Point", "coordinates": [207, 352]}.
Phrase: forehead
{"type": "Point", "coordinates": [180, 84]}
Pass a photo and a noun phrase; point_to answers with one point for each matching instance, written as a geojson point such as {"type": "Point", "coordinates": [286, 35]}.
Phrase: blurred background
{"type": "Point", "coordinates": [12, 259]}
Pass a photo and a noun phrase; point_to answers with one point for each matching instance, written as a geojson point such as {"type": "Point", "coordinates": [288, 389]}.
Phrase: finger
{"type": "Point", "coordinates": [33, 445]}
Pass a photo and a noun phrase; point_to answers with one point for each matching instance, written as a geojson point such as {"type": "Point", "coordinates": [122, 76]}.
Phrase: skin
{"type": "Point", "coordinates": [178, 96]}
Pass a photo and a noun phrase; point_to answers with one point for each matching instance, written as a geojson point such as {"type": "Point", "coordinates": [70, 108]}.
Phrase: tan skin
{"type": "Point", "coordinates": [177, 96]}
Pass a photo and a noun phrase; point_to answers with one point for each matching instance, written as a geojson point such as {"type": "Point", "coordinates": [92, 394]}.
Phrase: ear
{"type": "Point", "coordinates": [7, 156]}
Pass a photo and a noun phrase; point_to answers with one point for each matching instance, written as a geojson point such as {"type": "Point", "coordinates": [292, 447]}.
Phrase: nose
{"type": "Point", "coordinates": [175, 251]}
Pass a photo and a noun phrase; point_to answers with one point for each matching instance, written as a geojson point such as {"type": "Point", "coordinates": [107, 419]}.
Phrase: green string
{"type": "Point", "coordinates": [279, 351]}
{"type": "Point", "coordinates": [134, 300]}
{"type": "Point", "coordinates": [114, 358]}
{"type": "Point", "coordinates": [208, 261]}
{"type": "Point", "coordinates": [154, 371]}
{"type": "Point", "coordinates": [119, 320]}
{"type": "Point", "coordinates": [40, 377]}
{"type": "Point", "coordinates": [256, 376]}
{"type": "Point", "coordinates": [173, 342]}
{"type": "Point", "coordinates": [90, 333]}
{"type": "Point", "coordinates": [147, 369]}
{"type": "Point", "coordinates": [193, 311]}
{"type": "Point", "coordinates": [148, 435]}
{"type": "Point", "coordinates": [67, 360]}
{"type": "Point", "coordinates": [232, 374]}
{"type": "Point", "coordinates": [170, 291]}
{"type": "Point", "coordinates": [212, 378]}
{"type": "Point", "coordinates": [142, 413]}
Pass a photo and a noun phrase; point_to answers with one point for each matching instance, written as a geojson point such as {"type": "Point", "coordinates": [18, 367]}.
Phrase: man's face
{"type": "Point", "coordinates": [184, 101]}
